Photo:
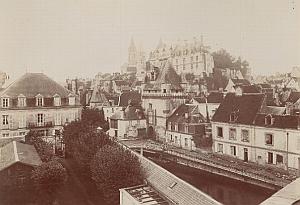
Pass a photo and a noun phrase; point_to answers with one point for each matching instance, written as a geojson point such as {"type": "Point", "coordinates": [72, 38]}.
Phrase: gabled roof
{"type": "Point", "coordinates": [98, 97]}
{"type": "Point", "coordinates": [14, 152]}
{"type": "Point", "coordinates": [293, 97]}
{"type": "Point", "coordinates": [32, 84]}
{"type": "Point", "coordinates": [130, 96]}
{"type": "Point", "coordinates": [245, 106]}
{"type": "Point", "coordinates": [194, 115]}
{"type": "Point", "coordinates": [250, 89]}
{"type": "Point", "coordinates": [169, 76]}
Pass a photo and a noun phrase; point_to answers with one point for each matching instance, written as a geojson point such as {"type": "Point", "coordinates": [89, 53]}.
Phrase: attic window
{"type": "Point", "coordinates": [172, 185]}
{"type": "Point", "coordinates": [269, 120]}
{"type": "Point", "coordinates": [233, 117]}
{"type": "Point", "coordinates": [39, 100]}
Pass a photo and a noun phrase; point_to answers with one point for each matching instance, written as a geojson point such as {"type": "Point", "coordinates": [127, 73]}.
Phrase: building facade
{"type": "Point", "coordinates": [160, 97]}
{"type": "Point", "coordinates": [245, 128]}
{"type": "Point", "coordinates": [36, 102]}
{"type": "Point", "coordinates": [186, 57]}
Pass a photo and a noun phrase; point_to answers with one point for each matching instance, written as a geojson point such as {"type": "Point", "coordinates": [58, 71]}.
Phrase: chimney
{"type": "Point", "coordinates": [289, 108]}
{"type": "Point", "coordinates": [238, 90]}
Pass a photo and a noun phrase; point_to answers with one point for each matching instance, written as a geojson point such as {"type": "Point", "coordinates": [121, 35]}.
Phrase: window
{"type": "Point", "coordinates": [186, 128]}
{"type": "Point", "coordinates": [5, 102]}
{"type": "Point", "coordinates": [269, 139]}
{"type": "Point", "coordinates": [270, 157]}
{"type": "Point", "coordinates": [176, 126]}
{"type": "Point", "coordinates": [40, 119]}
{"type": "Point", "coordinates": [5, 135]}
{"type": "Point", "coordinates": [269, 120]}
{"type": "Point", "coordinates": [150, 106]}
{"type": "Point", "coordinates": [232, 134]}
{"type": "Point", "coordinates": [186, 142]}
{"type": "Point", "coordinates": [197, 58]}
{"type": "Point", "coordinates": [164, 90]}
{"type": "Point", "coordinates": [172, 185]}
{"type": "Point", "coordinates": [233, 150]}
{"type": "Point", "coordinates": [232, 117]}
{"type": "Point", "coordinates": [219, 132]}
{"type": "Point", "coordinates": [279, 159]}
{"type": "Point", "coordinates": [22, 121]}
{"type": "Point", "coordinates": [21, 101]}
{"type": "Point", "coordinates": [71, 100]}
{"type": "Point", "coordinates": [57, 119]}
{"type": "Point", "coordinates": [57, 101]}
{"type": "Point", "coordinates": [176, 140]}
{"type": "Point", "coordinates": [170, 125]}
{"type": "Point", "coordinates": [39, 101]}
{"type": "Point", "coordinates": [220, 148]}
{"type": "Point", "coordinates": [4, 119]}
{"type": "Point", "coordinates": [245, 135]}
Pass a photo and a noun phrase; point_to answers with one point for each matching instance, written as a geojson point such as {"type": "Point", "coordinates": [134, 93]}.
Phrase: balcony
{"type": "Point", "coordinates": [31, 125]}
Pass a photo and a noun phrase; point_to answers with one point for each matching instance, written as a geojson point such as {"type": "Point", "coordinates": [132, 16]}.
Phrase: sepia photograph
{"type": "Point", "coordinates": [149, 102]}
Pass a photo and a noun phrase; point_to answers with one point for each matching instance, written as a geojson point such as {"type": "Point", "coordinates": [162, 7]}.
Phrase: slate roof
{"type": "Point", "coordinates": [133, 96]}
{"type": "Point", "coordinates": [14, 152]}
{"type": "Point", "coordinates": [274, 110]}
{"type": "Point", "coordinates": [213, 97]}
{"type": "Point", "coordinates": [245, 106]}
{"type": "Point", "coordinates": [293, 97]}
{"type": "Point", "coordinates": [130, 113]}
{"type": "Point", "coordinates": [250, 89]}
{"type": "Point", "coordinates": [172, 187]}
{"type": "Point", "coordinates": [168, 75]}
{"type": "Point", "coordinates": [179, 114]}
{"type": "Point", "coordinates": [32, 84]}
{"type": "Point", "coordinates": [240, 81]}
{"type": "Point", "coordinates": [280, 121]}
{"type": "Point", "coordinates": [98, 97]}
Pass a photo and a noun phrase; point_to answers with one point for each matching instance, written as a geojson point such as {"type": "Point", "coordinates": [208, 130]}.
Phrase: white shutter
{"type": "Point", "coordinates": [10, 122]}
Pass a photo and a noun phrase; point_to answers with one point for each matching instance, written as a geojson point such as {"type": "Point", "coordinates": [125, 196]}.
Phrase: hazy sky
{"type": "Point", "coordinates": [68, 38]}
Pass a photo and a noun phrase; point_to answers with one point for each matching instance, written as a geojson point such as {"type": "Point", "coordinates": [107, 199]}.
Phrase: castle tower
{"type": "Point", "coordinates": [132, 54]}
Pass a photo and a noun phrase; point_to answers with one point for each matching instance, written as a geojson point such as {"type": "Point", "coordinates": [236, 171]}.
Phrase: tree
{"type": "Point", "coordinates": [223, 59]}
{"type": "Point", "coordinates": [43, 148]}
{"type": "Point", "coordinates": [82, 141]}
{"type": "Point", "coordinates": [113, 168]}
{"type": "Point", "coordinates": [48, 178]}
{"type": "Point", "coordinates": [93, 117]}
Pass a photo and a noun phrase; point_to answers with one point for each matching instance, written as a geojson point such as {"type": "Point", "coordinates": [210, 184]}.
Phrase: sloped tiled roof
{"type": "Point", "coordinates": [213, 97]}
{"type": "Point", "coordinates": [14, 152]}
{"type": "Point", "coordinates": [32, 84]}
{"type": "Point", "coordinates": [250, 89]}
{"type": "Point", "coordinates": [246, 107]}
{"type": "Point", "coordinates": [172, 187]}
{"type": "Point", "coordinates": [168, 76]}
{"type": "Point", "coordinates": [130, 96]}
{"type": "Point", "coordinates": [98, 97]}
{"type": "Point", "coordinates": [194, 116]}
{"type": "Point", "coordinates": [130, 113]}
{"type": "Point", "coordinates": [240, 81]}
{"type": "Point", "coordinates": [274, 110]}
{"type": "Point", "coordinates": [280, 121]}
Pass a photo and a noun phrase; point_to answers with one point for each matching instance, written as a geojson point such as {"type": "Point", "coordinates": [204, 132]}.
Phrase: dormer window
{"type": "Point", "coordinates": [21, 101]}
{"type": "Point", "coordinates": [57, 100]}
{"type": "Point", "coordinates": [39, 100]}
{"type": "Point", "coordinates": [71, 99]}
{"type": "Point", "coordinates": [5, 102]}
{"type": "Point", "coordinates": [269, 120]}
{"type": "Point", "coordinates": [233, 117]}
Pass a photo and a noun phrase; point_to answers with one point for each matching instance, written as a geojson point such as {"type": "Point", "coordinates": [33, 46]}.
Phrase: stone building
{"type": "Point", "coordinates": [244, 127]}
{"type": "Point", "coordinates": [160, 96]}
{"type": "Point", "coordinates": [186, 57]}
{"type": "Point", "coordinates": [36, 102]}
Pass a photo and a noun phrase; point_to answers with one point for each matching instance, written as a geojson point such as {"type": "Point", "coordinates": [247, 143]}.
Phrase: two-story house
{"type": "Point", "coordinates": [246, 128]}
{"type": "Point", "coordinates": [186, 127]}
{"type": "Point", "coordinates": [128, 123]}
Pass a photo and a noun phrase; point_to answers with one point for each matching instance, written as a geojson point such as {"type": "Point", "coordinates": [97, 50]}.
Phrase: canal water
{"type": "Point", "coordinates": [225, 190]}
